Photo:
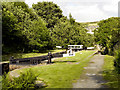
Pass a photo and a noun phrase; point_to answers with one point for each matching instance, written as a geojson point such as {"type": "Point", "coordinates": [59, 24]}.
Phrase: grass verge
{"type": "Point", "coordinates": [64, 71]}
{"type": "Point", "coordinates": [109, 73]}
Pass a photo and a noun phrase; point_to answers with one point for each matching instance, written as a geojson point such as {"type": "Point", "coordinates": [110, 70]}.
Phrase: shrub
{"type": "Point", "coordinates": [25, 80]}
{"type": "Point", "coordinates": [117, 61]}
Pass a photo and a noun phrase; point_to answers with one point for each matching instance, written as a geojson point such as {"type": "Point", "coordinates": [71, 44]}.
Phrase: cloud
{"type": "Point", "coordinates": [91, 11]}
{"type": "Point", "coordinates": [85, 10]}
{"type": "Point", "coordinates": [86, 13]}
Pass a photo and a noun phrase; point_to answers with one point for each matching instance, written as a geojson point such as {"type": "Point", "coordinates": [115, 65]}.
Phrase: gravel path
{"type": "Point", "coordinates": [91, 78]}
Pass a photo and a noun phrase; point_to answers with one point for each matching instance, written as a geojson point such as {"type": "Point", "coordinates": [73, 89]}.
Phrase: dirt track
{"type": "Point", "coordinates": [92, 76]}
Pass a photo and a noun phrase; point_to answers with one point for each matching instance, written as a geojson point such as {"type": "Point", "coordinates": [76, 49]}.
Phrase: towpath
{"type": "Point", "coordinates": [92, 76]}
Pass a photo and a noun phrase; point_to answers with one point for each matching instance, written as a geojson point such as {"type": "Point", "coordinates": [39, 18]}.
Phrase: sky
{"type": "Point", "coordinates": [85, 10]}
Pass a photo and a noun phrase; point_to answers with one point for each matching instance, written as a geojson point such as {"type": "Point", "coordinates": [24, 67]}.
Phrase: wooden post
{"type": "Point", "coordinates": [49, 57]}
{"type": "Point", "coordinates": [5, 67]}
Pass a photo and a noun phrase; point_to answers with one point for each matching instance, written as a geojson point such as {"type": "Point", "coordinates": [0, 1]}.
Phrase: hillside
{"type": "Point", "coordinates": [91, 26]}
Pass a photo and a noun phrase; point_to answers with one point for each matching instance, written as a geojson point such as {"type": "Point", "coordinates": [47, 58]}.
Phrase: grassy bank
{"type": "Point", "coordinates": [26, 55]}
{"type": "Point", "coordinates": [63, 72]}
{"type": "Point", "coordinates": [109, 72]}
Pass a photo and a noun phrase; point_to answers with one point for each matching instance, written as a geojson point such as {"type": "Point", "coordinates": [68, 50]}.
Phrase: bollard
{"type": "Point", "coordinates": [49, 57]}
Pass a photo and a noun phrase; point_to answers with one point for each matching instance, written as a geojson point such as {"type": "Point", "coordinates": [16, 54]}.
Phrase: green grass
{"type": "Point", "coordinates": [109, 72]}
{"type": "Point", "coordinates": [26, 55]}
{"type": "Point", "coordinates": [64, 71]}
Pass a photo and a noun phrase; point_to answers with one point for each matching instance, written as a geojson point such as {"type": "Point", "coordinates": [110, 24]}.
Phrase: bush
{"type": "Point", "coordinates": [25, 80]}
{"type": "Point", "coordinates": [117, 60]}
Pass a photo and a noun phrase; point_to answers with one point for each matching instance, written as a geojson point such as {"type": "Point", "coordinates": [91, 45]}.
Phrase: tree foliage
{"type": "Point", "coordinates": [49, 11]}
{"type": "Point", "coordinates": [108, 33]}
{"type": "Point", "coordinates": [69, 32]}
{"type": "Point", "coordinates": [22, 28]}
{"type": "Point", "coordinates": [39, 28]}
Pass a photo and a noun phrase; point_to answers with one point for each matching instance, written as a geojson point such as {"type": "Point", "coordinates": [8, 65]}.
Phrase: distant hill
{"type": "Point", "coordinates": [91, 22]}
{"type": "Point", "coordinates": [91, 26]}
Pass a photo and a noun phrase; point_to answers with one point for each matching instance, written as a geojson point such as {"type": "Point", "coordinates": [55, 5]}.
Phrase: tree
{"type": "Point", "coordinates": [38, 35]}
{"type": "Point", "coordinates": [49, 11]}
{"type": "Point", "coordinates": [66, 33]}
{"type": "Point", "coordinates": [72, 20]}
{"type": "Point", "coordinates": [23, 29]}
{"type": "Point", "coordinates": [10, 35]}
{"type": "Point", "coordinates": [108, 33]}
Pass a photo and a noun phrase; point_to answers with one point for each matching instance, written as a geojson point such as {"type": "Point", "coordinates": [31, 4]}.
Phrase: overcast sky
{"type": "Point", "coordinates": [85, 10]}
